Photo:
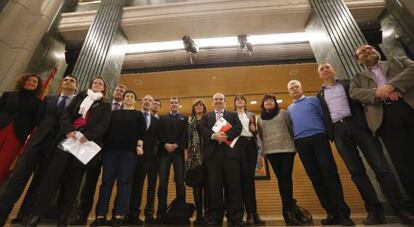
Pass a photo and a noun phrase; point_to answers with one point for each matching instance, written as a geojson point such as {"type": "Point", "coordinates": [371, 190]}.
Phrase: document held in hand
{"type": "Point", "coordinates": [222, 125]}
{"type": "Point", "coordinates": [82, 151]}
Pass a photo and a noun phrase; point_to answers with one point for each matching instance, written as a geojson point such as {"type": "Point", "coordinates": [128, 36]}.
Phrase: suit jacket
{"type": "Point", "coordinates": [151, 138]}
{"type": "Point", "coordinates": [357, 110]}
{"type": "Point", "coordinates": [22, 113]}
{"type": "Point", "coordinates": [206, 131]}
{"type": "Point", "coordinates": [399, 72]}
{"type": "Point", "coordinates": [48, 119]}
{"type": "Point", "coordinates": [97, 122]}
{"type": "Point", "coordinates": [173, 130]}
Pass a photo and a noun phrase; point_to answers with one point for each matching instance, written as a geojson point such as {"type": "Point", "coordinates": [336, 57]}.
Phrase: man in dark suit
{"type": "Point", "coordinates": [147, 166]}
{"type": "Point", "coordinates": [39, 149]}
{"type": "Point", "coordinates": [344, 118]}
{"type": "Point", "coordinates": [386, 89]}
{"type": "Point", "coordinates": [93, 170]}
{"type": "Point", "coordinates": [173, 138]}
{"type": "Point", "coordinates": [223, 165]}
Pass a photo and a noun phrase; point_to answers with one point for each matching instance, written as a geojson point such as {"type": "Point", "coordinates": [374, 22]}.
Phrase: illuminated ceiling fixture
{"type": "Point", "coordinates": [253, 102]}
{"type": "Point", "coordinates": [279, 101]}
{"type": "Point", "coordinates": [282, 38]}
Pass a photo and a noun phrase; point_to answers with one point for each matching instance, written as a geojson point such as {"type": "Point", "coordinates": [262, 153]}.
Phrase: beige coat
{"type": "Point", "coordinates": [399, 72]}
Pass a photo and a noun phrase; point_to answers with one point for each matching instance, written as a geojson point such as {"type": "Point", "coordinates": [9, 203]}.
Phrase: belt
{"type": "Point", "coordinates": [343, 120]}
{"type": "Point", "coordinates": [246, 137]}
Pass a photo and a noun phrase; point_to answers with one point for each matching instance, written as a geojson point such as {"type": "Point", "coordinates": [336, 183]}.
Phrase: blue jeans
{"type": "Point", "coordinates": [347, 138]}
{"type": "Point", "coordinates": [117, 165]}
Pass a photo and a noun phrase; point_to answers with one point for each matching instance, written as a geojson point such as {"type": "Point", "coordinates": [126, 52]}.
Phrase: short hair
{"type": "Point", "coordinates": [130, 92]}
{"type": "Point", "coordinates": [218, 93]}
{"type": "Point", "coordinates": [269, 96]}
{"type": "Point", "coordinates": [122, 85]}
{"type": "Point", "coordinates": [72, 76]}
{"type": "Point", "coordinates": [157, 100]}
{"type": "Point", "coordinates": [195, 103]}
{"type": "Point", "coordinates": [293, 82]}
{"type": "Point", "coordinates": [21, 82]}
{"type": "Point", "coordinates": [240, 96]}
{"type": "Point", "coordinates": [174, 98]}
{"type": "Point", "coordinates": [100, 78]}
{"type": "Point", "coordinates": [373, 47]}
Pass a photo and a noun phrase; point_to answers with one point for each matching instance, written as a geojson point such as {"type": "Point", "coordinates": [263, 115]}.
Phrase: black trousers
{"type": "Point", "coordinates": [201, 201]}
{"type": "Point", "coordinates": [65, 171]}
{"type": "Point", "coordinates": [166, 161]}
{"type": "Point", "coordinates": [347, 138]}
{"type": "Point", "coordinates": [224, 179]}
{"type": "Point", "coordinates": [248, 159]}
{"type": "Point", "coordinates": [88, 188]}
{"type": "Point", "coordinates": [144, 168]}
{"type": "Point", "coordinates": [316, 155]}
{"type": "Point", "coordinates": [282, 165]}
{"type": "Point", "coordinates": [35, 159]}
{"type": "Point", "coordinates": [397, 133]}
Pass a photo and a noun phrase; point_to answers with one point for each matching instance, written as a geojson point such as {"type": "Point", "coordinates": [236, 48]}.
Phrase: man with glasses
{"type": "Point", "coordinates": [386, 89]}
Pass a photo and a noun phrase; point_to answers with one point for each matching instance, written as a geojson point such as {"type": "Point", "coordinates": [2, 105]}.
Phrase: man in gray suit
{"type": "Point", "coordinates": [386, 89]}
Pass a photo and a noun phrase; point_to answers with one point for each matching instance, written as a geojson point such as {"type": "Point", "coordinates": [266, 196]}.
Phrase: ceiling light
{"type": "Point", "coordinates": [279, 101]}
{"type": "Point", "coordinates": [253, 102]}
{"type": "Point", "coordinates": [282, 38]}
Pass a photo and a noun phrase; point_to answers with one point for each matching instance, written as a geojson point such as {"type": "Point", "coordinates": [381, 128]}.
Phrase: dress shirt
{"type": "Point", "coordinates": [116, 105]}
{"type": "Point", "coordinates": [378, 76]}
{"type": "Point", "coordinates": [244, 119]}
{"type": "Point", "coordinates": [337, 102]}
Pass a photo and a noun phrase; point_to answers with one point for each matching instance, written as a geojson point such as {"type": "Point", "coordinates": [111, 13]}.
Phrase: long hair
{"type": "Point", "coordinates": [20, 83]}
{"type": "Point", "coordinates": [101, 78]}
{"type": "Point", "coordinates": [240, 96]}
{"type": "Point", "coordinates": [195, 103]}
{"type": "Point", "coordinates": [269, 96]}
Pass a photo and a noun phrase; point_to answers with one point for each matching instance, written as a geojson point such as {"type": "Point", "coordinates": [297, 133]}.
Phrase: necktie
{"type": "Point", "coordinates": [62, 104]}
{"type": "Point", "coordinates": [218, 115]}
{"type": "Point", "coordinates": [147, 120]}
{"type": "Point", "coordinates": [116, 106]}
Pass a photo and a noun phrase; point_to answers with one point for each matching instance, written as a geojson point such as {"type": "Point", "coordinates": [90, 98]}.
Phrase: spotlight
{"type": "Point", "coordinates": [189, 45]}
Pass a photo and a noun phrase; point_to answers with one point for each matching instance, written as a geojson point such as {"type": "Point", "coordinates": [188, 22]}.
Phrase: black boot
{"type": "Point", "coordinates": [257, 219]}
{"type": "Point", "coordinates": [31, 221]}
{"type": "Point", "coordinates": [250, 219]}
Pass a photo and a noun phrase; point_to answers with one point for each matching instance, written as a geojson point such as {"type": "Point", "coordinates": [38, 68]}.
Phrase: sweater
{"type": "Point", "coordinates": [276, 134]}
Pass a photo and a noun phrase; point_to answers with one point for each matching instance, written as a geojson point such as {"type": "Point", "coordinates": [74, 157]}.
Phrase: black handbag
{"type": "Point", "coordinates": [194, 177]}
{"type": "Point", "coordinates": [179, 213]}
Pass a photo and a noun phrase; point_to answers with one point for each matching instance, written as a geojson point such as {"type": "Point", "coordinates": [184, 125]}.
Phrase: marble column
{"type": "Point", "coordinates": [23, 24]}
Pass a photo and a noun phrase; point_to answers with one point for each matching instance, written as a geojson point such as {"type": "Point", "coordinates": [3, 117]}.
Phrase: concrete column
{"type": "Point", "coordinates": [22, 26]}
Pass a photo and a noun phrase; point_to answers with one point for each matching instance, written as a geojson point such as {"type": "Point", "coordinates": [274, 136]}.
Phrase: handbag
{"type": "Point", "coordinates": [194, 177]}
{"type": "Point", "coordinates": [179, 213]}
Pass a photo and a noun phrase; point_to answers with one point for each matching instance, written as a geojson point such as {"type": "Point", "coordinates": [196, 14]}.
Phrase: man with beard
{"type": "Point", "coordinates": [386, 89]}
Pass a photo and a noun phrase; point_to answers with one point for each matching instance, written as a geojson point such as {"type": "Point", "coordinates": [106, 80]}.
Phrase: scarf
{"type": "Point", "coordinates": [88, 101]}
{"type": "Point", "coordinates": [195, 157]}
{"type": "Point", "coordinates": [267, 115]}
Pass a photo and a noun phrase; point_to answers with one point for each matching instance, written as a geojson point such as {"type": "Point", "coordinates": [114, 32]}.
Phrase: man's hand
{"type": "Point", "coordinates": [220, 137]}
{"type": "Point", "coordinates": [384, 91]}
{"type": "Point", "coordinates": [170, 147]}
{"type": "Point", "coordinates": [139, 150]}
{"type": "Point", "coordinates": [394, 96]}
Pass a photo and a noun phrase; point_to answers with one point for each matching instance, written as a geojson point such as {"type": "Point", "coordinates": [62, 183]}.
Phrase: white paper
{"type": "Point", "coordinates": [223, 125]}
{"type": "Point", "coordinates": [83, 152]}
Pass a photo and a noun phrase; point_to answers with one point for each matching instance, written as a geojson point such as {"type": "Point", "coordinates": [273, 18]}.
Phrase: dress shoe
{"type": "Point", "coordinates": [250, 219]}
{"type": "Point", "coordinates": [237, 223]}
{"type": "Point", "coordinates": [16, 221]}
{"type": "Point", "coordinates": [116, 222]}
{"type": "Point", "coordinates": [211, 222]}
{"type": "Point", "coordinates": [132, 220]}
{"type": "Point", "coordinates": [61, 221]}
{"type": "Point", "coordinates": [79, 220]}
{"type": "Point", "coordinates": [31, 221]}
{"type": "Point", "coordinates": [199, 221]}
{"type": "Point", "coordinates": [406, 217]}
{"type": "Point", "coordinates": [330, 220]}
{"type": "Point", "coordinates": [100, 222]}
{"type": "Point", "coordinates": [150, 220]}
{"type": "Point", "coordinates": [346, 221]}
{"type": "Point", "coordinates": [374, 218]}
{"type": "Point", "coordinates": [258, 220]}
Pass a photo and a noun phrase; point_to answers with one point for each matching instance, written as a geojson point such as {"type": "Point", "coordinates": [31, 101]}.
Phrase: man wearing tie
{"type": "Point", "coordinates": [94, 169]}
{"type": "Point", "coordinates": [147, 165]}
{"type": "Point", "coordinates": [156, 108]}
{"type": "Point", "coordinates": [222, 165]}
{"type": "Point", "coordinates": [39, 150]}
{"type": "Point", "coordinates": [173, 138]}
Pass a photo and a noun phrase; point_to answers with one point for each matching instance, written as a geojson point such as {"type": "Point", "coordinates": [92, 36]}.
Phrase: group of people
{"type": "Point", "coordinates": [378, 103]}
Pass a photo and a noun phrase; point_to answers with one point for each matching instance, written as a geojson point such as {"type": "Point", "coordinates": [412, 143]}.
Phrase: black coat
{"type": "Point", "coordinates": [357, 110]}
{"type": "Point", "coordinates": [97, 122]}
{"type": "Point", "coordinates": [173, 130]}
{"type": "Point", "coordinates": [19, 108]}
{"type": "Point", "coordinates": [210, 145]}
